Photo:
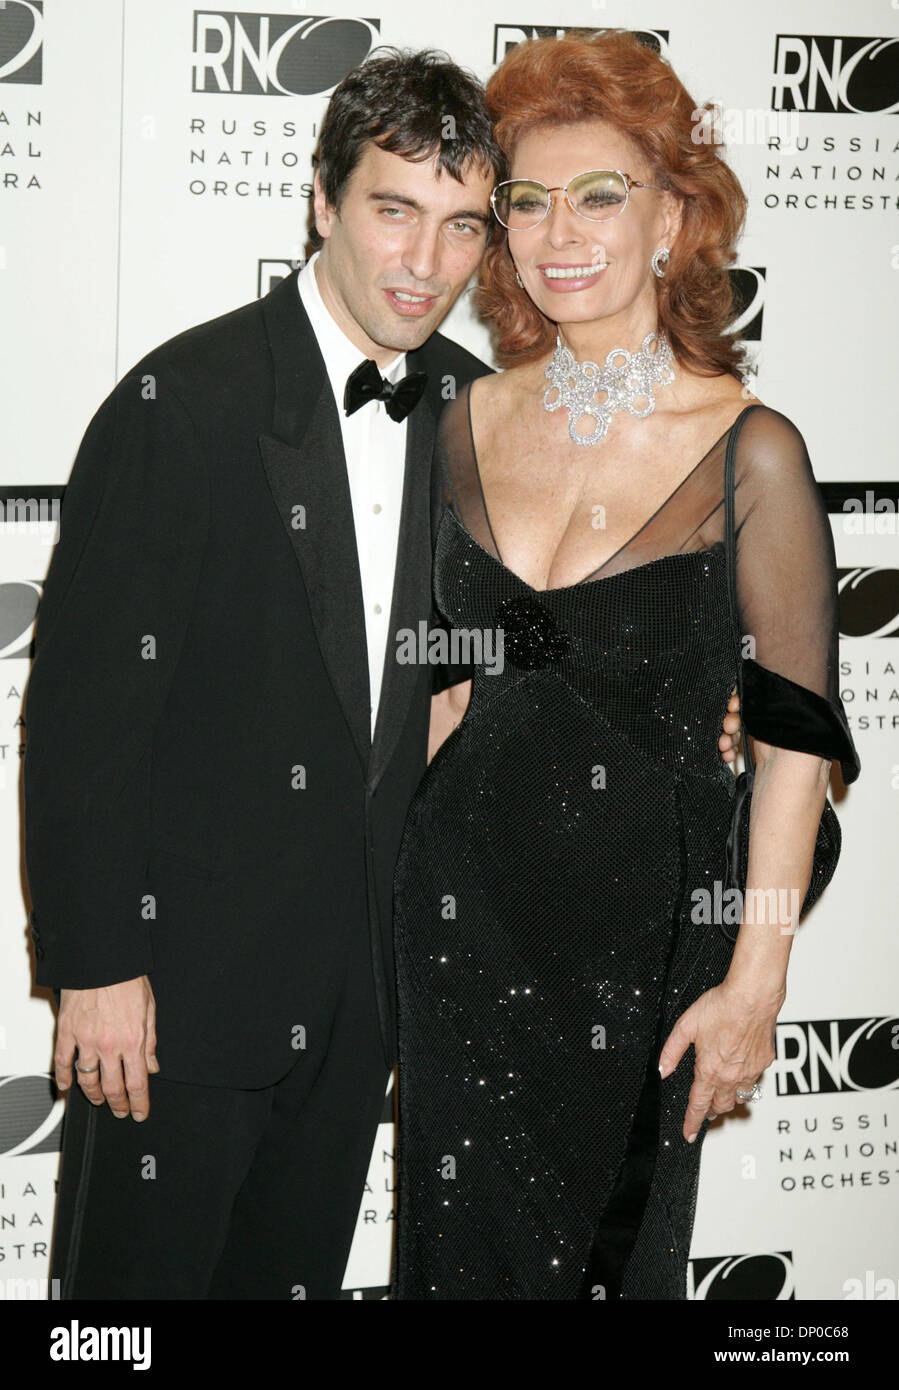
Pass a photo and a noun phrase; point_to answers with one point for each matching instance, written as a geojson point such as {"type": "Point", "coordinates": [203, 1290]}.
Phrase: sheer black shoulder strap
{"type": "Point", "coordinates": [458, 464]}
{"type": "Point", "coordinates": [730, 554]}
{"type": "Point", "coordinates": [782, 572]}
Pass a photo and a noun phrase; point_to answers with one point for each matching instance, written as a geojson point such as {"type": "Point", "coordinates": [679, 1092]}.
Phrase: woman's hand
{"type": "Point", "coordinates": [733, 1039]}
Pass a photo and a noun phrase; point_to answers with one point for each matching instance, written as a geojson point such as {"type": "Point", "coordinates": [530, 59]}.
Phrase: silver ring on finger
{"type": "Point", "coordinates": [748, 1096]}
{"type": "Point", "coordinates": [85, 1069]}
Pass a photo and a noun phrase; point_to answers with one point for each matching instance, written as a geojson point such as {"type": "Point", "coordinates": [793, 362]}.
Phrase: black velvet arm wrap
{"type": "Point", "coordinates": [780, 712]}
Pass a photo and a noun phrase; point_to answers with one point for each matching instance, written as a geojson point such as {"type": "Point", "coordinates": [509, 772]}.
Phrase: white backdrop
{"type": "Point", "coordinates": [148, 185]}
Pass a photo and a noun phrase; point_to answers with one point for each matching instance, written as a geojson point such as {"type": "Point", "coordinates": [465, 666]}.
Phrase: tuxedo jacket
{"type": "Point", "coordinates": [204, 802]}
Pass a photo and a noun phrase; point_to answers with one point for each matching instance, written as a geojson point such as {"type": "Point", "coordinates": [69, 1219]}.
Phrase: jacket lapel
{"type": "Point", "coordinates": [306, 470]}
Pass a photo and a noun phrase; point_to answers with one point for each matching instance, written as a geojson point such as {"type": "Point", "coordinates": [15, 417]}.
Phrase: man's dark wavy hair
{"type": "Point", "coordinates": [401, 99]}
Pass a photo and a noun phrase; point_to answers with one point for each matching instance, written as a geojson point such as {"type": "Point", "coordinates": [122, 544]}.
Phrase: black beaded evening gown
{"type": "Point", "coordinates": [545, 932]}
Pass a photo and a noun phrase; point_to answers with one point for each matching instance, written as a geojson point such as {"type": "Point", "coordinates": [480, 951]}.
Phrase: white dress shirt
{"type": "Point", "coordinates": [375, 450]}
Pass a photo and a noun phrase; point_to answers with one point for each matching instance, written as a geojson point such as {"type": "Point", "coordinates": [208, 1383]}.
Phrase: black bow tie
{"type": "Point", "coordinates": [367, 384]}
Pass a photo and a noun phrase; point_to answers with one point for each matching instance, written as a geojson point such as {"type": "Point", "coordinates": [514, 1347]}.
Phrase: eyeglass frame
{"type": "Point", "coordinates": [629, 183]}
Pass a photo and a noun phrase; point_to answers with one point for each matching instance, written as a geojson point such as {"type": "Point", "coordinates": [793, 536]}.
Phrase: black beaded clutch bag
{"type": "Point", "coordinates": [829, 840]}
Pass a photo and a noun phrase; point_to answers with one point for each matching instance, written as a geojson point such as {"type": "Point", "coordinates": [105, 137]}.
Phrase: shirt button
{"type": "Point", "coordinates": [376, 508]}
{"type": "Point", "coordinates": [377, 607]}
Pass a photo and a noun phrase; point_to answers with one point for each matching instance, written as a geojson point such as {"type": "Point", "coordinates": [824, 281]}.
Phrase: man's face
{"type": "Point", "coordinates": [401, 249]}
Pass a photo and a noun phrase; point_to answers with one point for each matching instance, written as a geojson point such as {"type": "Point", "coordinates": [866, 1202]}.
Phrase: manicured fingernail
{"type": "Point", "coordinates": [139, 1118]}
{"type": "Point", "coordinates": [691, 1138]}
{"type": "Point", "coordinates": [661, 1070]}
{"type": "Point", "coordinates": [120, 1114]}
{"type": "Point", "coordinates": [62, 1085]}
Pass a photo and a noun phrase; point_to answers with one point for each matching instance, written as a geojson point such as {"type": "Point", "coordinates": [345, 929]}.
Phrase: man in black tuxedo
{"type": "Point", "coordinates": [222, 745]}
{"type": "Point", "coordinates": [211, 820]}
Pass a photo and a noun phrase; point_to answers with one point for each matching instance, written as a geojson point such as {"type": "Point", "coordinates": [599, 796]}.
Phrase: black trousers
{"type": "Point", "coordinates": [227, 1194]}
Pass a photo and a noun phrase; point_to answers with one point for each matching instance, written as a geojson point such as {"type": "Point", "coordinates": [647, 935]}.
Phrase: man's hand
{"type": "Point", "coordinates": [114, 1030]}
{"type": "Point", "coordinates": [730, 739]}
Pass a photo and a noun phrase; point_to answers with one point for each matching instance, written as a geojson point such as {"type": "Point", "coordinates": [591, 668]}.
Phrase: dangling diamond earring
{"type": "Point", "coordinates": [518, 278]}
{"type": "Point", "coordinates": [661, 254]}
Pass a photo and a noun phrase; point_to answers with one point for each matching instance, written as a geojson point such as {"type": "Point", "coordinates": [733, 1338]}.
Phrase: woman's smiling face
{"type": "Point", "coordinates": [614, 254]}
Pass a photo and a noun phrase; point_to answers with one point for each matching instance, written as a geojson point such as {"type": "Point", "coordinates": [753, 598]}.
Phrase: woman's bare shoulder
{"type": "Point", "coordinates": [771, 447]}
{"type": "Point", "coordinates": [716, 402]}
{"type": "Point", "coordinates": [503, 392]}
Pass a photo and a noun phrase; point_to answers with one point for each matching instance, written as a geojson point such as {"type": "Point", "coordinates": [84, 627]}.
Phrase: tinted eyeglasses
{"type": "Point", "coordinates": [598, 195]}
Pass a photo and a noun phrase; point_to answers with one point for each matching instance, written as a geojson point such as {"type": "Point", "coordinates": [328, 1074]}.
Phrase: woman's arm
{"type": "Point", "coordinates": [732, 1026]}
{"type": "Point", "coordinates": [447, 710]}
{"type": "Point", "coordinates": [788, 795]}
{"type": "Point", "coordinates": [786, 590]}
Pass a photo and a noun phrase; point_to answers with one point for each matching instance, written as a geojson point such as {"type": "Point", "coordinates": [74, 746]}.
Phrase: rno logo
{"type": "Point", "coordinates": [815, 73]}
{"type": "Point", "coordinates": [869, 598]}
{"type": "Point", "coordinates": [845, 1054]}
{"type": "Point", "coordinates": [768, 1277]}
{"type": "Point", "coordinates": [30, 1116]}
{"type": "Point", "coordinates": [276, 54]}
{"type": "Point", "coordinates": [21, 39]}
{"type": "Point", "coordinates": [509, 36]}
{"type": "Point", "coordinates": [748, 287]}
{"type": "Point", "coordinates": [18, 610]}
{"type": "Point", "coordinates": [271, 273]}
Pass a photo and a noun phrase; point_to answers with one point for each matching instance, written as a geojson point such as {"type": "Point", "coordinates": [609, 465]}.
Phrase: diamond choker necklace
{"type": "Point", "coordinates": [626, 379]}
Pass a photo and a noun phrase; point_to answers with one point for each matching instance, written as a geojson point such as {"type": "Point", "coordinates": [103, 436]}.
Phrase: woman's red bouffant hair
{"type": "Point", "coordinates": [614, 77]}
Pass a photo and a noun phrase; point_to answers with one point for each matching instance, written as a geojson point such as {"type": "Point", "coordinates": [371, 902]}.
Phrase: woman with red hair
{"type": "Point", "coordinates": [573, 1006]}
